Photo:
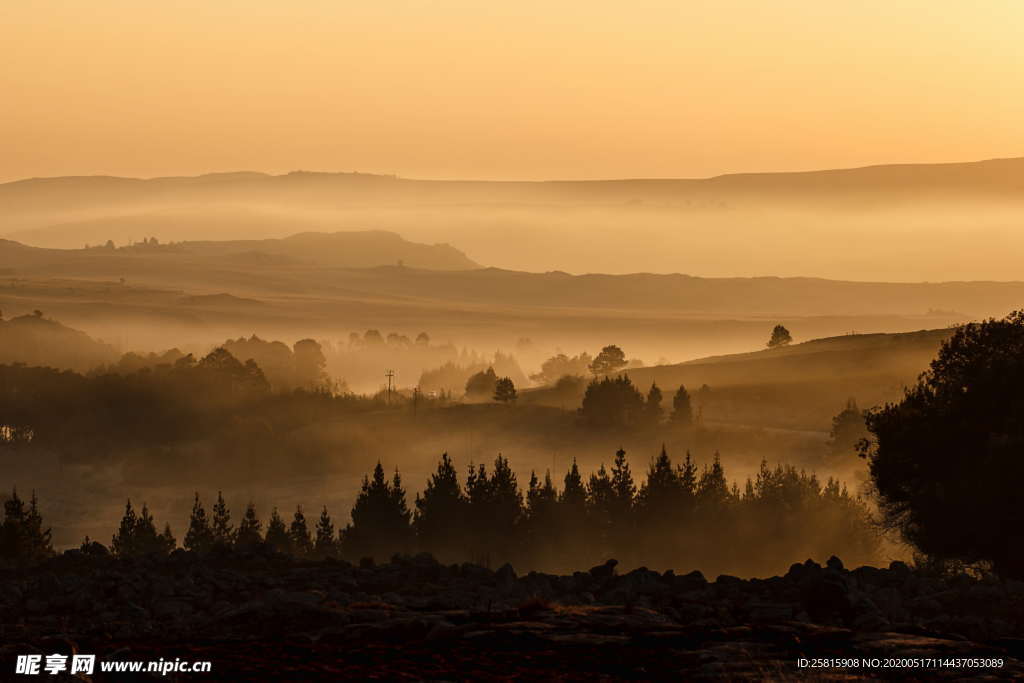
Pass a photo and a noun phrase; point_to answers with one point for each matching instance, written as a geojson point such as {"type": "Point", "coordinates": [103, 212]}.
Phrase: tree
{"type": "Point", "coordinates": [381, 520]}
{"type": "Point", "coordinates": [541, 519]}
{"type": "Point", "coordinates": [946, 463]}
{"type": "Point", "coordinates": [623, 487]}
{"type": "Point", "coordinates": [222, 529]}
{"type": "Point", "coordinates": [122, 543]}
{"type": "Point", "coordinates": [495, 508]}
{"type": "Point", "coordinates": [712, 488]}
{"type": "Point", "coordinates": [682, 410]}
{"type": "Point", "coordinates": [248, 536]}
{"type": "Point", "coordinates": [199, 537]}
{"type": "Point", "coordinates": [612, 402]}
{"type": "Point", "coordinates": [482, 385]}
{"type": "Point", "coordinates": [561, 365]}
{"type": "Point", "coordinates": [848, 429]}
{"type": "Point", "coordinates": [652, 408]}
{"type": "Point", "coordinates": [505, 390]}
{"type": "Point", "coordinates": [298, 533]}
{"type": "Point", "coordinates": [167, 540]}
{"type": "Point", "coordinates": [422, 339]}
{"type": "Point", "coordinates": [440, 513]}
{"type": "Point", "coordinates": [780, 337]}
{"type": "Point", "coordinates": [325, 545]}
{"type": "Point", "coordinates": [610, 360]}
{"type": "Point", "coordinates": [22, 537]}
{"type": "Point", "coordinates": [277, 534]}
{"type": "Point", "coordinates": [310, 365]}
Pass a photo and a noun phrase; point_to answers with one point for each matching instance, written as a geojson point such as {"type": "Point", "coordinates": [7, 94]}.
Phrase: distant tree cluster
{"type": "Point", "coordinates": [486, 385]}
{"type": "Point", "coordinates": [561, 365]}
{"type": "Point", "coordinates": [473, 377]}
{"type": "Point", "coordinates": [680, 516]}
{"type": "Point", "coordinates": [303, 366]}
{"type": "Point", "coordinates": [615, 402]}
{"type": "Point", "coordinates": [217, 398]}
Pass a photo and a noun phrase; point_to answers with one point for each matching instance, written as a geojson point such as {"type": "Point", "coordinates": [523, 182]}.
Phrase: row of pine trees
{"type": "Point", "coordinates": [681, 516]}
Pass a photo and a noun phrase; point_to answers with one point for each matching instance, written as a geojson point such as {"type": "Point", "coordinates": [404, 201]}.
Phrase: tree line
{"type": "Point", "coordinates": [680, 516]}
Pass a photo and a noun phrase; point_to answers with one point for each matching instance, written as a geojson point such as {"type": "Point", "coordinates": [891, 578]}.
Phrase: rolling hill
{"type": "Point", "coordinates": [913, 222]}
{"type": "Point", "coordinates": [801, 386]}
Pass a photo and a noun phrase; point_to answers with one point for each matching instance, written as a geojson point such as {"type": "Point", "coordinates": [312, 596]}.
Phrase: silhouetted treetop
{"type": "Point", "coordinates": [610, 360]}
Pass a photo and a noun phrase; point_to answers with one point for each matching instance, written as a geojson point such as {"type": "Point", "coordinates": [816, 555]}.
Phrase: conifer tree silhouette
{"type": "Point", "coordinates": [199, 537]}
{"type": "Point", "coordinates": [122, 543]}
{"type": "Point", "coordinates": [248, 536]}
{"type": "Point", "coordinates": [277, 534]}
{"type": "Point", "coordinates": [325, 544]}
{"type": "Point", "coordinates": [222, 529]}
{"type": "Point", "coordinates": [298, 532]}
{"type": "Point", "coordinates": [652, 407]}
{"type": "Point", "coordinates": [682, 409]}
{"type": "Point", "coordinates": [381, 520]}
{"type": "Point", "coordinates": [440, 514]}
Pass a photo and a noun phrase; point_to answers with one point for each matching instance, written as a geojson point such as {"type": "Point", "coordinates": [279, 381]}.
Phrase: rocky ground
{"type": "Point", "coordinates": [266, 617]}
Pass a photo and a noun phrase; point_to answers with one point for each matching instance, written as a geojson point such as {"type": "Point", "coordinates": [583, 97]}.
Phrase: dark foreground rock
{"type": "Point", "coordinates": [265, 617]}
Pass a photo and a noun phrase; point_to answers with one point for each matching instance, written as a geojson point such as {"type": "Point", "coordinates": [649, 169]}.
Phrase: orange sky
{"type": "Point", "coordinates": [524, 89]}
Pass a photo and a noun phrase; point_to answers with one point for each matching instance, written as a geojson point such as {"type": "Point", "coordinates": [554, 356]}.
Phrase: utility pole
{"type": "Point", "coordinates": [390, 374]}
{"type": "Point", "coordinates": [415, 399]}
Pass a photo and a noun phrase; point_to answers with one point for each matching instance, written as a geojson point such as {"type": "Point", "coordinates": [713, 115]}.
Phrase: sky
{"type": "Point", "coordinates": [504, 90]}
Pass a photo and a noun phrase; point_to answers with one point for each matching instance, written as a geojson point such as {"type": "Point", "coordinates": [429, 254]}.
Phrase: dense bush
{"type": "Point", "coordinates": [947, 460]}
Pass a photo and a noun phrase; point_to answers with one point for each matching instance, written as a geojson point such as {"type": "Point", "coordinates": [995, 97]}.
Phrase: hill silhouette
{"type": "Point", "coordinates": [615, 226]}
{"type": "Point", "coordinates": [36, 340]}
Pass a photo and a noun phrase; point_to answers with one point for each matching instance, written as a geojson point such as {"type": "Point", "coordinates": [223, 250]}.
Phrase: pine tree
{"type": "Point", "coordinates": [146, 540]}
{"type": "Point", "coordinates": [712, 489]}
{"type": "Point", "coordinates": [495, 508]}
{"type": "Point", "coordinates": [381, 521]}
{"type": "Point", "coordinates": [167, 541]}
{"type": "Point", "coordinates": [325, 545]}
{"type": "Point", "coordinates": [122, 544]}
{"type": "Point", "coordinates": [541, 520]}
{"type": "Point", "coordinates": [652, 408]}
{"type": "Point", "coordinates": [440, 514]}
{"type": "Point", "coordinates": [505, 390]}
{"type": "Point", "coordinates": [682, 410]}
{"type": "Point", "coordinates": [137, 535]}
{"type": "Point", "coordinates": [199, 537]}
{"type": "Point", "coordinates": [574, 493]}
{"type": "Point", "coordinates": [600, 512]}
{"type": "Point", "coordinates": [574, 546]}
{"type": "Point", "coordinates": [22, 537]}
{"type": "Point", "coordinates": [623, 488]}
{"type": "Point", "coordinates": [248, 536]}
{"type": "Point", "coordinates": [222, 529]}
{"type": "Point", "coordinates": [688, 477]}
{"type": "Point", "coordinates": [302, 543]}
{"type": "Point", "coordinates": [277, 534]}
{"type": "Point", "coordinates": [661, 488]}
{"type": "Point", "coordinates": [40, 542]}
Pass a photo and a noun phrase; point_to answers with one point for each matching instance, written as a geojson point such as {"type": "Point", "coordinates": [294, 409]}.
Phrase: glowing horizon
{"type": "Point", "coordinates": [524, 91]}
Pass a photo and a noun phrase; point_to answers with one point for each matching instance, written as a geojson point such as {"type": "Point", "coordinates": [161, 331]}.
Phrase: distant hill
{"type": "Point", "coordinates": [906, 222]}
{"type": "Point", "coordinates": [339, 249]}
{"type": "Point", "coordinates": [36, 340]}
{"type": "Point", "coordinates": [996, 178]}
